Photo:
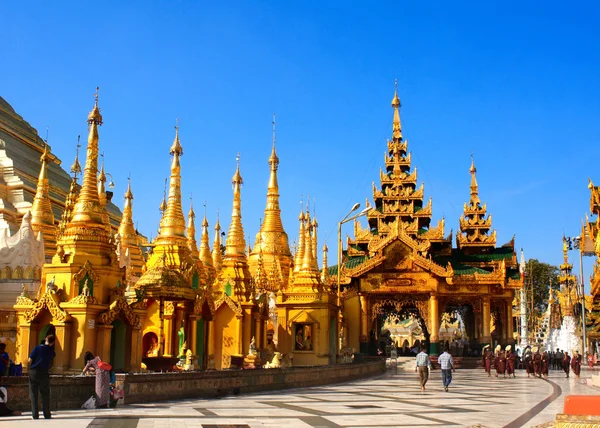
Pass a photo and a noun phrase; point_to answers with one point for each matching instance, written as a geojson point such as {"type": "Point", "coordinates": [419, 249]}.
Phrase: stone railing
{"type": "Point", "coordinates": [68, 392]}
{"type": "Point", "coordinates": [140, 388]}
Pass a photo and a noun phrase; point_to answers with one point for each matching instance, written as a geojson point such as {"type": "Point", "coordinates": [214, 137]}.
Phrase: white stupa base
{"type": "Point", "coordinates": [566, 338]}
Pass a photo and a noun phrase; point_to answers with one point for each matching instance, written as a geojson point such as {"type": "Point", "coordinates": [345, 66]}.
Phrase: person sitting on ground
{"type": "Point", "coordinates": [4, 409]}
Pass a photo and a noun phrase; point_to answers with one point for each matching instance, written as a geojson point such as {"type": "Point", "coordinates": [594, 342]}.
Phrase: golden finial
{"type": "Point", "coordinates": [76, 167]}
{"type": "Point", "coordinates": [237, 177]}
{"type": "Point", "coordinates": [474, 186]}
{"type": "Point", "coordinates": [41, 210]}
{"type": "Point", "coordinates": [217, 256]}
{"type": "Point", "coordinates": [205, 255]}
{"type": "Point", "coordinates": [95, 116]}
{"type": "Point", "coordinates": [176, 147]}
{"type": "Point", "coordinates": [396, 100]}
{"type": "Point", "coordinates": [397, 126]}
{"type": "Point", "coordinates": [128, 193]}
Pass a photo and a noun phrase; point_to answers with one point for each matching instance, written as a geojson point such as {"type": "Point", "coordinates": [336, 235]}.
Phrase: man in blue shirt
{"type": "Point", "coordinates": [40, 362]}
{"type": "Point", "coordinates": [4, 360]}
{"type": "Point", "coordinates": [447, 366]}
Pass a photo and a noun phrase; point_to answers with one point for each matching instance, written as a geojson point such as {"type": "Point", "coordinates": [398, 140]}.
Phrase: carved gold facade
{"type": "Point", "coordinates": [402, 266]}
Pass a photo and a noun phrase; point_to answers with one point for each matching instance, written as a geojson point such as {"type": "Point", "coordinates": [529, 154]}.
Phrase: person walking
{"type": "Point", "coordinates": [510, 361]}
{"type": "Point", "coordinates": [447, 366]}
{"type": "Point", "coordinates": [576, 363]}
{"type": "Point", "coordinates": [566, 363]}
{"type": "Point", "coordinates": [488, 359]}
{"type": "Point", "coordinates": [40, 362]}
{"type": "Point", "coordinates": [423, 364]}
{"type": "Point", "coordinates": [558, 359]}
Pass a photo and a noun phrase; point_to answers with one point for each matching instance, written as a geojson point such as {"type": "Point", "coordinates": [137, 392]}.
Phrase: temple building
{"type": "Point", "coordinates": [591, 234]}
{"type": "Point", "coordinates": [400, 266]}
{"type": "Point", "coordinates": [187, 304]}
{"type": "Point", "coordinates": [36, 196]}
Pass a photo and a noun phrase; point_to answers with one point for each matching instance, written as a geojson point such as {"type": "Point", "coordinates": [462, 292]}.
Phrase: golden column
{"type": "Point", "coordinates": [509, 322]}
{"type": "Point", "coordinates": [364, 324]}
{"type": "Point", "coordinates": [434, 314]}
{"type": "Point", "coordinates": [485, 319]}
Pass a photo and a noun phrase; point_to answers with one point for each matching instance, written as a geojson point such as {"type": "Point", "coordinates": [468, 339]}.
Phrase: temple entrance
{"type": "Point", "coordinates": [457, 329]}
{"type": "Point", "coordinates": [497, 325]}
{"type": "Point", "coordinates": [45, 331]}
{"type": "Point", "coordinates": [118, 341]}
{"type": "Point", "coordinates": [400, 324]}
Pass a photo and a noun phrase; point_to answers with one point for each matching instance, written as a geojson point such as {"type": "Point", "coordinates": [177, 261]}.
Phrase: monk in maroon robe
{"type": "Point", "coordinates": [510, 361]}
{"type": "Point", "coordinates": [566, 363]}
{"type": "Point", "coordinates": [500, 363]}
{"type": "Point", "coordinates": [545, 361]}
{"type": "Point", "coordinates": [488, 358]}
{"type": "Point", "coordinates": [529, 362]}
{"type": "Point", "coordinates": [576, 364]}
{"type": "Point", "coordinates": [537, 363]}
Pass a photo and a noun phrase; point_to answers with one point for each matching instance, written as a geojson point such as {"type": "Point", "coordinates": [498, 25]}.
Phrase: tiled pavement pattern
{"type": "Point", "coordinates": [393, 400]}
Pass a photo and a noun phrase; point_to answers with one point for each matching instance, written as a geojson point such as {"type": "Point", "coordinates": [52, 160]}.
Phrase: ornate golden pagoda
{"type": "Point", "coordinates": [129, 239]}
{"type": "Point", "coordinates": [401, 266]}
{"type": "Point", "coordinates": [474, 226]}
{"type": "Point", "coordinates": [81, 282]}
{"type": "Point", "coordinates": [42, 217]}
{"type": "Point", "coordinates": [236, 319]}
{"type": "Point", "coordinates": [217, 256]}
{"type": "Point", "coordinates": [191, 234]}
{"type": "Point", "coordinates": [272, 240]}
{"type": "Point", "coordinates": [71, 196]}
{"type": "Point", "coordinates": [306, 308]}
{"type": "Point", "coordinates": [204, 254]}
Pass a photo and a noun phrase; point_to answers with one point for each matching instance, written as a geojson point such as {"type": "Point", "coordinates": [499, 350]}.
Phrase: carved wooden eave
{"type": "Point", "coordinates": [201, 299]}
{"type": "Point", "coordinates": [234, 306]}
{"type": "Point", "coordinates": [119, 307]}
{"type": "Point", "coordinates": [474, 210]}
{"type": "Point", "coordinates": [429, 265]}
{"type": "Point", "coordinates": [50, 302]}
{"type": "Point", "coordinates": [475, 223]}
{"type": "Point", "coordinates": [303, 317]}
{"type": "Point", "coordinates": [402, 147]}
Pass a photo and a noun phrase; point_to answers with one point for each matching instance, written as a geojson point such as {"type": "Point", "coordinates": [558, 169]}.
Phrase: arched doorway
{"type": "Point", "coordinates": [398, 320]}
{"type": "Point", "coordinates": [457, 328]}
{"type": "Point", "coordinates": [45, 331]}
{"type": "Point", "coordinates": [118, 343]}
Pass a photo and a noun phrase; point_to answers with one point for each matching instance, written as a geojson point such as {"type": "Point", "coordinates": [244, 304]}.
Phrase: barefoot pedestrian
{"type": "Point", "coordinates": [40, 362]}
{"type": "Point", "coordinates": [423, 364]}
{"type": "Point", "coordinates": [447, 366]}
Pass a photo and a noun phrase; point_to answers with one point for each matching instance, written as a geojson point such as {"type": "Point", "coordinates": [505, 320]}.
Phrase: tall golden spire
{"type": "Point", "coordinates": [205, 255]}
{"type": "Point", "coordinates": [102, 184]}
{"type": "Point", "coordinates": [129, 238]}
{"type": "Point", "coordinates": [325, 269]}
{"type": "Point", "coordinates": [397, 126]}
{"type": "Point", "coordinates": [191, 233]}
{"type": "Point", "coordinates": [309, 263]}
{"type": "Point", "coordinates": [217, 256]}
{"type": "Point", "coordinates": [299, 257]}
{"type": "Point", "coordinates": [272, 240]}
{"type": "Point", "coordinates": [315, 226]}
{"type": "Point", "coordinates": [127, 228]}
{"type": "Point", "coordinates": [42, 217]}
{"type": "Point", "coordinates": [475, 224]}
{"type": "Point", "coordinates": [72, 195]}
{"type": "Point", "coordinates": [235, 245]}
{"type": "Point", "coordinates": [87, 208]}
{"type": "Point", "coordinates": [172, 224]}
{"type": "Point", "coordinates": [474, 187]}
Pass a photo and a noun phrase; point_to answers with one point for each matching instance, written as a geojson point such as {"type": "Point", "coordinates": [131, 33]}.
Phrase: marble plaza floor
{"type": "Point", "coordinates": [391, 400]}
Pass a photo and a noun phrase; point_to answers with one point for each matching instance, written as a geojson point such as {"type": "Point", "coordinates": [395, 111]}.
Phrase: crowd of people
{"type": "Point", "coordinates": [533, 360]}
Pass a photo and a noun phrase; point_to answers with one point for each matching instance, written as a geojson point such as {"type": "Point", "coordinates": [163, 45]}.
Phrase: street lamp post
{"type": "Point", "coordinates": [346, 219]}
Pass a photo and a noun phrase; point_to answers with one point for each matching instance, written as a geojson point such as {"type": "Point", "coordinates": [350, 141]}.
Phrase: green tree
{"type": "Point", "coordinates": [540, 276]}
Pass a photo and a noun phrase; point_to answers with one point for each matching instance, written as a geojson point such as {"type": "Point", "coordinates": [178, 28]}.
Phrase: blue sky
{"type": "Point", "coordinates": [515, 83]}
